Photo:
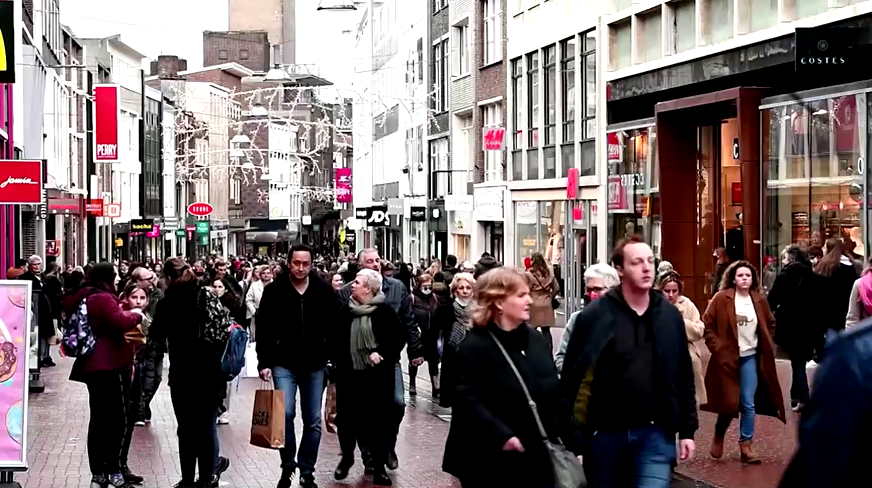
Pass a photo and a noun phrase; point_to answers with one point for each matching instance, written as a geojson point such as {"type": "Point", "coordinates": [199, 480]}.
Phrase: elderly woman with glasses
{"type": "Point", "coordinates": [368, 343]}
{"type": "Point", "coordinates": [598, 279]}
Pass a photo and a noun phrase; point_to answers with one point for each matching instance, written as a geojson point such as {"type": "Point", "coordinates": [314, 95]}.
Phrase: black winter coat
{"type": "Point", "coordinates": [293, 329]}
{"type": "Point", "coordinates": [834, 296]}
{"type": "Point", "coordinates": [792, 301]}
{"type": "Point", "coordinates": [425, 308]}
{"type": "Point", "coordinates": [398, 298]}
{"type": "Point", "coordinates": [43, 313]}
{"type": "Point", "coordinates": [490, 408]}
{"type": "Point", "coordinates": [389, 335]}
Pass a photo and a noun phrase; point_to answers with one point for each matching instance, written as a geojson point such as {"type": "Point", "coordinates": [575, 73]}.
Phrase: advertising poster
{"type": "Point", "coordinates": [343, 185]}
{"type": "Point", "coordinates": [15, 304]}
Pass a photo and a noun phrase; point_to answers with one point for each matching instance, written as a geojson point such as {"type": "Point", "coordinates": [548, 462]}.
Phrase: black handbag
{"type": "Point", "coordinates": [568, 471]}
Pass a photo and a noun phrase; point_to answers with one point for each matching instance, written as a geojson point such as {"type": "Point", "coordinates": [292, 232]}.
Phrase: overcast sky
{"type": "Point", "coordinates": [176, 27]}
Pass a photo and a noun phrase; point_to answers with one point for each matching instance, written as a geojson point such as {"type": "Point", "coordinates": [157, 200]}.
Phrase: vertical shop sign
{"type": "Point", "coordinates": [107, 105]}
{"type": "Point", "coordinates": [15, 301]}
{"type": "Point", "coordinates": [7, 41]}
{"type": "Point", "coordinates": [343, 185]}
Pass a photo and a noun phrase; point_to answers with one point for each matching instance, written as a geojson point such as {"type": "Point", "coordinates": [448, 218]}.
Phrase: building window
{"type": "Point", "coordinates": [550, 94]}
{"type": "Point", "coordinates": [440, 76]}
{"type": "Point", "coordinates": [492, 117]}
{"type": "Point", "coordinates": [236, 191]}
{"type": "Point", "coordinates": [222, 54]}
{"type": "Point", "coordinates": [650, 32]}
{"type": "Point", "coordinates": [493, 31]}
{"type": "Point", "coordinates": [439, 5]}
{"type": "Point", "coordinates": [567, 70]}
{"type": "Point", "coordinates": [533, 99]}
{"type": "Point", "coordinates": [588, 68]}
{"type": "Point", "coordinates": [243, 54]}
{"type": "Point", "coordinates": [440, 172]}
{"type": "Point", "coordinates": [621, 40]}
{"type": "Point", "coordinates": [684, 25]}
{"type": "Point", "coordinates": [460, 48]}
{"type": "Point", "coordinates": [518, 102]}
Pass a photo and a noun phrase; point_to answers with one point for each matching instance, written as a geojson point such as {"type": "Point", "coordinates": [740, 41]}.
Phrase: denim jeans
{"type": "Point", "coordinates": [639, 458]}
{"type": "Point", "coordinates": [311, 385]}
{"type": "Point", "coordinates": [747, 390]}
{"type": "Point", "coordinates": [400, 400]}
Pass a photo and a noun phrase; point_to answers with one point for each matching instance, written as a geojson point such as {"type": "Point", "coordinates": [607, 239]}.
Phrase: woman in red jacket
{"type": "Point", "coordinates": [107, 373]}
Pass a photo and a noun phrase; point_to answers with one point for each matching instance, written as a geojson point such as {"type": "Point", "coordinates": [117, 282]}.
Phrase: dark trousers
{"type": "Point", "coordinates": [367, 414]}
{"type": "Point", "coordinates": [132, 411]}
{"type": "Point", "coordinates": [197, 431]}
{"type": "Point", "coordinates": [799, 385]}
{"type": "Point", "coordinates": [109, 401]}
{"type": "Point", "coordinates": [151, 374]}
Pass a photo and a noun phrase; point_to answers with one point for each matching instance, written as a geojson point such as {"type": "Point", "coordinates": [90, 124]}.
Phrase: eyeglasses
{"type": "Point", "coordinates": [594, 289]}
{"type": "Point", "coordinates": [426, 288]}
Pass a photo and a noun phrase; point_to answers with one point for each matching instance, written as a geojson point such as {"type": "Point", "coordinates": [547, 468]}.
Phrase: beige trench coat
{"type": "Point", "coordinates": [542, 290]}
{"type": "Point", "coordinates": [695, 329]}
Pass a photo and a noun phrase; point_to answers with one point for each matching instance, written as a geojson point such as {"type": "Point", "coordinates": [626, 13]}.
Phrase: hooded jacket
{"type": "Point", "coordinates": [109, 323]}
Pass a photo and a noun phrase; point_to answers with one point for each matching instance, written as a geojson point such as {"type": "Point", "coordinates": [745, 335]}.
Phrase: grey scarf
{"type": "Point", "coordinates": [461, 323]}
{"type": "Point", "coordinates": [363, 341]}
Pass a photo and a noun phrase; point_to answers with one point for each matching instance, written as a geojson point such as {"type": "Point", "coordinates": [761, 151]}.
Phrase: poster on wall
{"type": "Point", "coordinates": [15, 340]}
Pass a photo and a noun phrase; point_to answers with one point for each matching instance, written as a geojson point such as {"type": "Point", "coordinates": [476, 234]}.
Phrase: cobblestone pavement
{"type": "Point", "coordinates": [59, 419]}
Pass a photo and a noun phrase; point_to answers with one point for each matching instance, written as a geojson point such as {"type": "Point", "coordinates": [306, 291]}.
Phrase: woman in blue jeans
{"type": "Point", "coordinates": [741, 379]}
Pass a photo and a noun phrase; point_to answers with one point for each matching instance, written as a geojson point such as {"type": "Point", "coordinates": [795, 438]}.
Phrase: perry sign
{"type": "Point", "coordinates": [200, 209]}
{"type": "Point", "coordinates": [107, 115]}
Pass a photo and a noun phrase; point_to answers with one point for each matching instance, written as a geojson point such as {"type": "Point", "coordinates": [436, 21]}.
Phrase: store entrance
{"type": "Point", "coordinates": [709, 156]}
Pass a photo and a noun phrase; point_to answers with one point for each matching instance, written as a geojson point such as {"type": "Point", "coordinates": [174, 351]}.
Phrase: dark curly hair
{"type": "Point", "coordinates": [729, 279]}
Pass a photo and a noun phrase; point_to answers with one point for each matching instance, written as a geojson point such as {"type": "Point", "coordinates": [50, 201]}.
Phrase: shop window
{"type": "Point", "coordinates": [814, 184]}
{"type": "Point", "coordinates": [539, 227]}
{"type": "Point", "coordinates": [632, 205]}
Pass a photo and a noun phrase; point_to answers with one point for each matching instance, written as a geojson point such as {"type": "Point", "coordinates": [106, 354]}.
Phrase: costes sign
{"type": "Point", "coordinates": [107, 103]}
{"type": "Point", "coordinates": [20, 182]}
{"type": "Point", "coordinates": [826, 49]}
{"type": "Point", "coordinates": [199, 209]}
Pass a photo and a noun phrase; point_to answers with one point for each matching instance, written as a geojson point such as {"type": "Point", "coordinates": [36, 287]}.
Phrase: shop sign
{"type": "Point", "coordinates": [377, 217]}
{"type": "Point", "coordinates": [395, 206]}
{"type": "Point", "coordinates": [112, 210]}
{"type": "Point", "coordinates": [360, 213]}
{"type": "Point", "coordinates": [20, 181]}
{"type": "Point", "coordinates": [826, 49]}
{"type": "Point", "coordinates": [493, 138]}
{"type": "Point", "coordinates": [141, 225]}
{"type": "Point", "coordinates": [180, 232]}
{"type": "Point", "coordinates": [202, 227]}
{"type": "Point", "coordinates": [418, 214]}
{"type": "Point", "coordinates": [489, 204]}
{"type": "Point", "coordinates": [572, 184]}
{"type": "Point", "coordinates": [200, 209]}
{"type": "Point", "coordinates": [15, 374]}
{"type": "Point", "coordinates": [350, 238]}
{"type": "Point", "coordinates": [107, 105]}
{"type": "Point", "coordinates": [343, 185]}
{"type": "Point", "coordinates": [8, 36]}
{"type": "Point", "coordinates": [119, 242]}
{"type": "Point", "coordinates": [66, 206]}
{"type": "Point", "coordinates": [94, 207]}
{"type": "Point", "coordinates": [154, 232]}
{"type": "Point", "coordinates": [52, 247]}
{"type": "Point", "coordinates": [458, 203]}
{"type": "Point", "coordinates": [616, 149]}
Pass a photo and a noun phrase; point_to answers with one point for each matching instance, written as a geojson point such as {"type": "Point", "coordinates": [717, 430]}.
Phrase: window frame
{"type": "Point", "coordinates": [534, 105]}
{"type": "Point", "coordinates": [549, 70]}
{"type": "Point", "coordinates": [569, 100]}
{"type": "Point", "coordinates": [585, 55]}
{"type": "Point", "coordinates": [492, 28]}
{"type": "Point", "coordinates": [518, 114]}
{"type": "Point", "coordinates": [460, 50]}
{"type": "Point", "coordinates": [492, 116]}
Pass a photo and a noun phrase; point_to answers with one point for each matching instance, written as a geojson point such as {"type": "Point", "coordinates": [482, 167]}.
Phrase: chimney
{"type": "Point", "coordinates": [168, 67]}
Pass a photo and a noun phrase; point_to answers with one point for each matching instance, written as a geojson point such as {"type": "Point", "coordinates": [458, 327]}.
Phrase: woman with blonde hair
{"type": "Point", "coordinates": [494, 439]}
{"type": "Point", "coordinates": [671, 285]}
{"type": "Point", "coordinates": [453, 319]}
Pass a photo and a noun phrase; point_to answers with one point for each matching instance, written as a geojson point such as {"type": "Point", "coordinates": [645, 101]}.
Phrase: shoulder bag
{"type": "Point", "coordinates": [568, 472]}
{"type": "Point", "coordinates": [555, 303]}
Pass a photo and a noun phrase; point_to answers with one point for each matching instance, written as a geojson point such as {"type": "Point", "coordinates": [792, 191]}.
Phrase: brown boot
{"type": "Point", "coordinates": [746, 448]}
{"type": "Point", "coordinates": [717, 450]}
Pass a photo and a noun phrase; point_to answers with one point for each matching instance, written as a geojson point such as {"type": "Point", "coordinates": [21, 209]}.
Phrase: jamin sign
{"type": "Point", "coordinates": [107, 105]}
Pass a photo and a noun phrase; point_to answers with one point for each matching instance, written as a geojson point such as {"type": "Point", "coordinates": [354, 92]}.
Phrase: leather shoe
{"type": "Point", "coordinates": [131, 478]}
{"type": "Point", "coordinates": [393, 463]}
{"type": "Point", "coordinates": [381, 479]}
{"type": "Point", "coordinates": [342, 470]}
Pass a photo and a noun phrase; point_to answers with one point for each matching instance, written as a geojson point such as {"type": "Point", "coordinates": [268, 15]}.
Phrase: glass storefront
{"type": "Point", "coordinates": [814, 164]}
{"type": "Point", "coordinates": [539, 228]}
{"type": "Point", "coordinates": [633, 193]}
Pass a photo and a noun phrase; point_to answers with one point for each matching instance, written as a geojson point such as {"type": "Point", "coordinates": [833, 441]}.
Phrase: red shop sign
{"type": "Point", "coordinates": [20, 182]}
{"type": "Point", "coordinates": [95, 207]}
{"type": "Point", "coordinates": [107, 103]}
{"type": "Point", "coordinates": [493, 138]}
{"type": "Point", "coordinates": [68, 206]}
{"type": "Point", "coordinates": [200, 209]}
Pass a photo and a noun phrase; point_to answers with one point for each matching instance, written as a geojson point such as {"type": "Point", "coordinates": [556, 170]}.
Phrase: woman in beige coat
{"type": "Point", "coordinates": [543, 289]}
{"type": "Point", "coordinates": [672, 287]}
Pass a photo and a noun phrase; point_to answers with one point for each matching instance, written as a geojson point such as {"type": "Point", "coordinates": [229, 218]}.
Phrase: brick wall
{"type": "Point", "coordinates": [490, 82]}
{"type": "Point", "coordinates": [217, 76]}
{"type": "Point", "coordinates": [248, 48]}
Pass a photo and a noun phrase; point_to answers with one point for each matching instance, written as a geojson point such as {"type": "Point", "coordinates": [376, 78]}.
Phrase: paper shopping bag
{"type": "Point", "coordinates": [268, 419]}
{"type": "Point", "coordinates": [330, 408]}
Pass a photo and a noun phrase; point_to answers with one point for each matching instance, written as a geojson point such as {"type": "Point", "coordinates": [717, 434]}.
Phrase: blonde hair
{"type": "Point", "coordinates": [455, 282]}
{"type": "Point", "coordinates": [493, 287]}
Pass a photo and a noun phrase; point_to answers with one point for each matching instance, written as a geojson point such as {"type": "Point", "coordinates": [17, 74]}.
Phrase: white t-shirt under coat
{"type": "Point", "coordinates": [746, 319]}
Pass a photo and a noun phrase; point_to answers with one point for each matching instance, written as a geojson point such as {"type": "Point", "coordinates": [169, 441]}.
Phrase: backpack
{"type": "Point", "coordinates": [215, 320]}
{"type": "Point", "coordinates": [79, 339]}
{"type": "Point", "coordinates": [233, 359]}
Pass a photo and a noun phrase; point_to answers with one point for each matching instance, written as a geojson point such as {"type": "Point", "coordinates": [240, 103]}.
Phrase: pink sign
{"type": "Point", "coordinates": [15, 299]}
{"type": "Point", "coordinates": [493, 138]}
{"type": "Point", "coordinates": [617, 193]}
{"type": "Point", "coordinates": [343, 185]}
{"type": "Point", "coordinates": [154, 232]}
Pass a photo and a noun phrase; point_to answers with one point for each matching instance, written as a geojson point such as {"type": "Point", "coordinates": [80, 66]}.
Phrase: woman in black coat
{"type": "Point", "coordinates": [838, 274]}
{"type": "Point", "coordinates": [494, 439]}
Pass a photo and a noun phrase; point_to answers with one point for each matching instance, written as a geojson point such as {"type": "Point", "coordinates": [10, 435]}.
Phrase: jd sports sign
{"type": "Point", "coordinates": [377, 217]}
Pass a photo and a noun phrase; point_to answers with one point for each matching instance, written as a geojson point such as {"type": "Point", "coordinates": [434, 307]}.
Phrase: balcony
{"type": "Point", "coordinates": [450, 182]}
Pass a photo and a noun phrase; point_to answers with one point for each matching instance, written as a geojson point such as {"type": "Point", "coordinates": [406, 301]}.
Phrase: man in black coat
{"type": "Point", "coordinates": [293, 328]}
{"type": "Point", "coordinates": [398, 298]}
{"type": "Point", "coordinates": [627, 378]}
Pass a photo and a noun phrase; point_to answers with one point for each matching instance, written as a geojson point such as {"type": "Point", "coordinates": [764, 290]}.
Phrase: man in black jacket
{"type": "Point", "coordinates": [627, 382]}
{"type": "Point", "coordinates": [398, 298]}
{"type": "Point", "coordinates": [295, 313]}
